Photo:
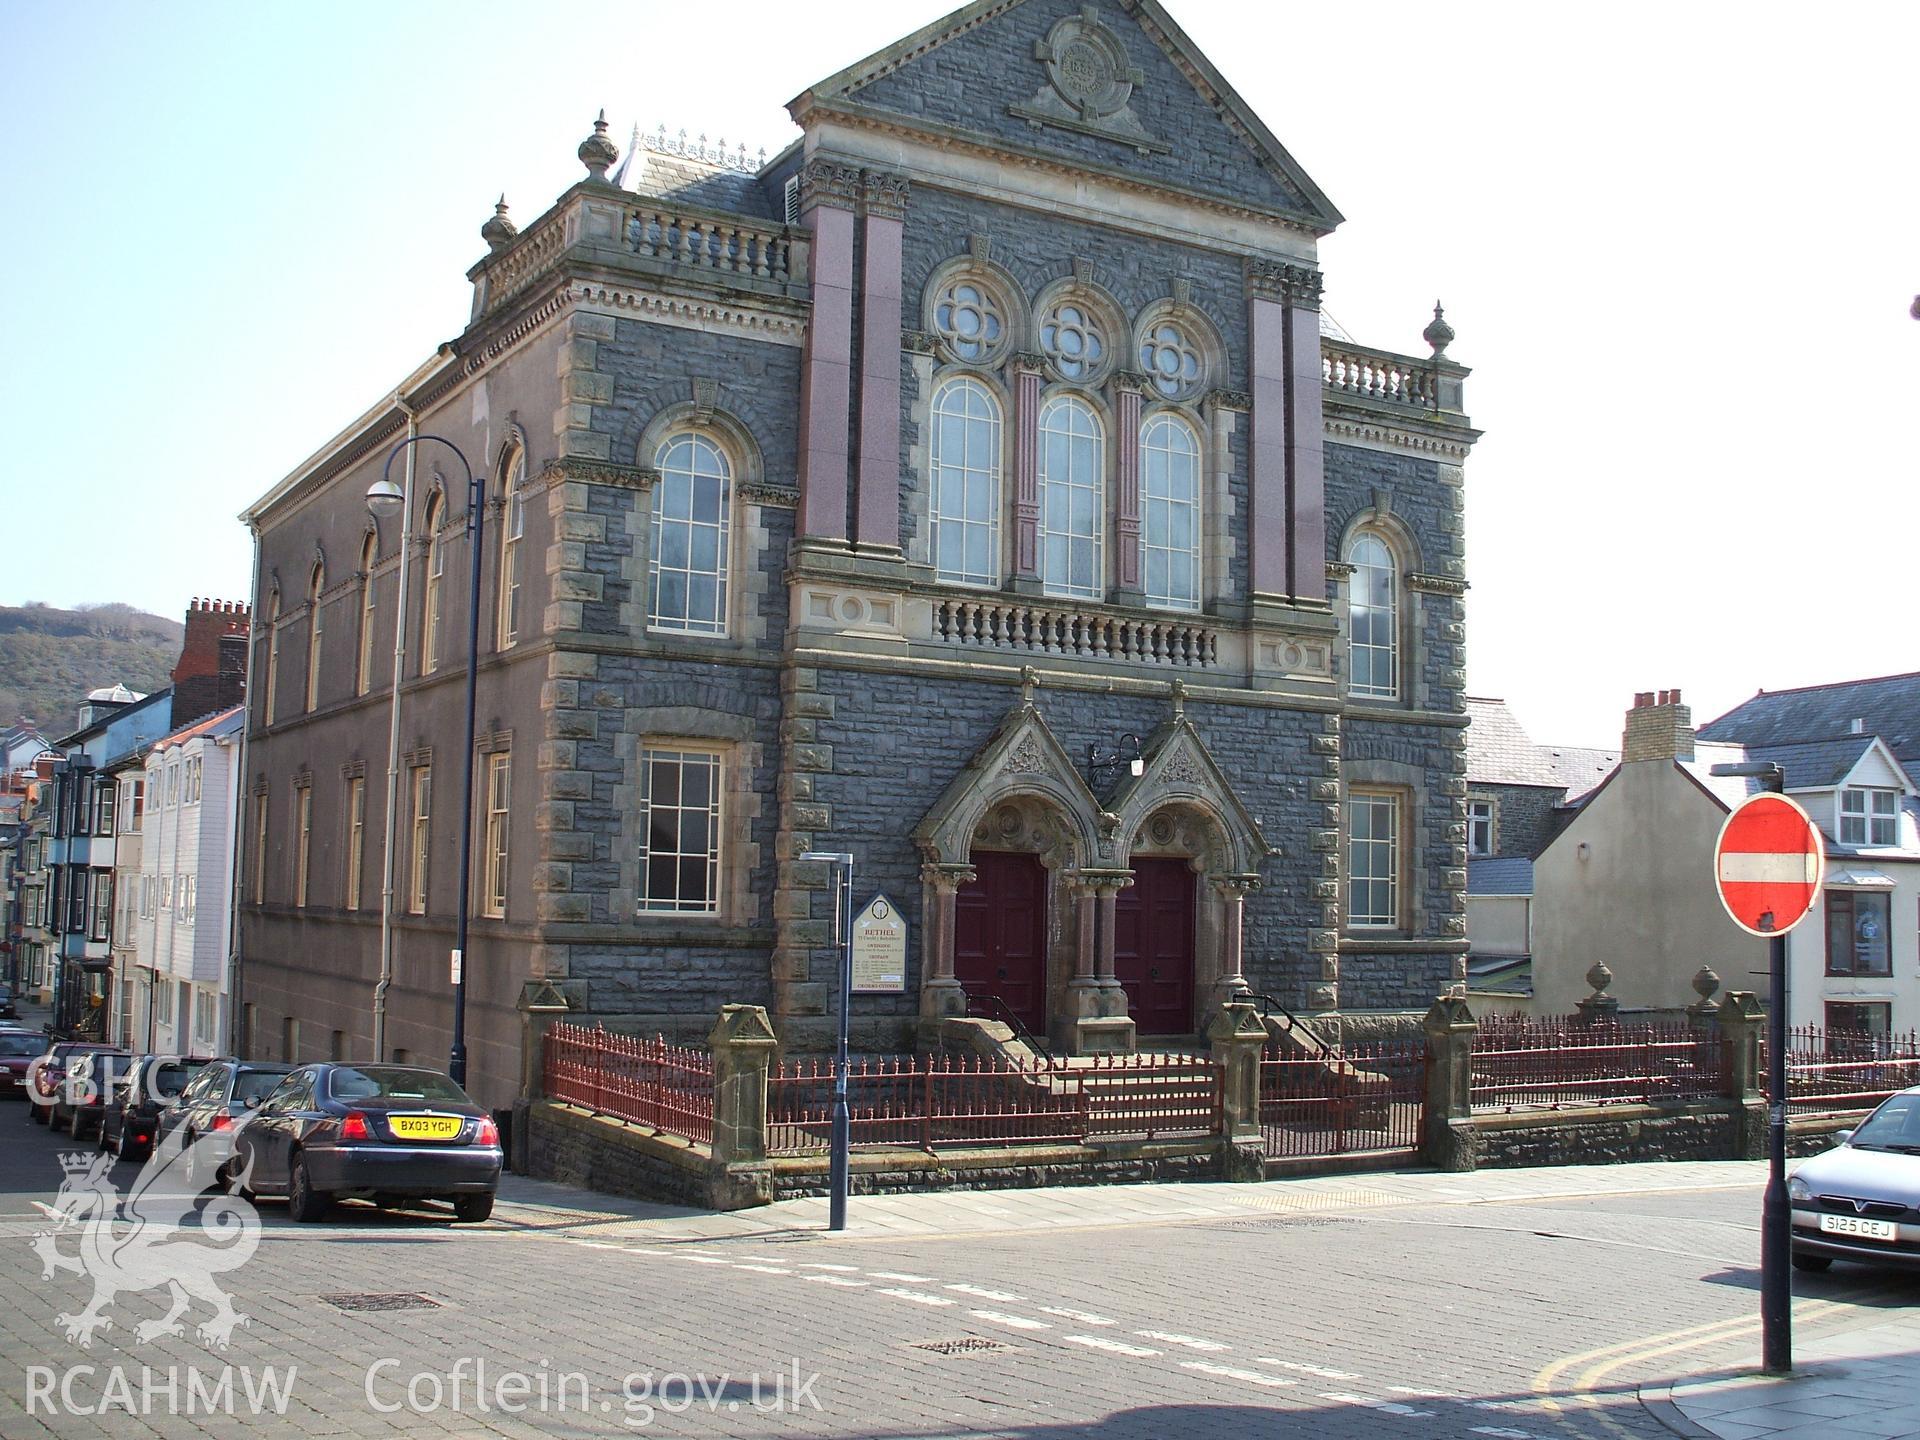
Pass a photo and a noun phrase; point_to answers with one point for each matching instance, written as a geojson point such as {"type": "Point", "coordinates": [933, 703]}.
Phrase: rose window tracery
{"type": "Point", "coordinates": [1072, 338]}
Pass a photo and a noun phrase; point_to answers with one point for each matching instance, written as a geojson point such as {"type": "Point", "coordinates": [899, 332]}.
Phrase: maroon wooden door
{"type": "Point", "coordinates": [1000, 934]}
{"type": "Point", "coordinates": [1153, 946]}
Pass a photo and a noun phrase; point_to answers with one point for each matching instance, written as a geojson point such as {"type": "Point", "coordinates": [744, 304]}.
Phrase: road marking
{"type": "Point", "coordinates": [1190, 1342]}
{"type": "Point", "coordinates": [979, 1293]}
{"type": "Point", "coordinates": [1319, 1372]}
{"type": "Point", "coordinates": [1117, 1347]}
{"type": "Point", "coordinates": [1013, 1322]}
{"type": "Point", "coordinates": [1419, 1394]}
{"type": "Point", "coordinates": [901, 1275]}
{"type": "Point", "coordinates": [1229, 1372]}
{"type": "Point", "coordinates": [839, 1280]}
{"type": "Point", "coordinates": [919, 1297]}
{"type": "Point", "coordinates": [1502, 1433]}
{"type": "Point", "coordinates": [765, 1269]}
{"type": "Point", "coordinates": [1370, 1402]}
{"type": "Point", "coordinates": [838, 1269]}
{"type": "Point", "coordinates": [704, 1260]}
{"type": "Point", "coordinates": [1084, 1317]}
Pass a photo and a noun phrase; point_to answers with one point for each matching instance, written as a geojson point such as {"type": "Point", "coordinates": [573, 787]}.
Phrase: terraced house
{"type": "Point", "coordinates": [975, 486]}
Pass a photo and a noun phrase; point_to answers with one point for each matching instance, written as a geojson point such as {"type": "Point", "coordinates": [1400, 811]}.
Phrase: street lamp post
{"type": "Point", "coordinates": [841, 1141]}
{"type": "Point", "coordinates": [385, 496]}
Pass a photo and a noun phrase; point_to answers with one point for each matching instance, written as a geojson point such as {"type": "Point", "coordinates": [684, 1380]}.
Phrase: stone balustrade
{"type": "Point", "coordinates": [1052, 629]}
{"type": "Point", "coordinates": [706, 240]}
{"type": "Point", "coordinates": [1380, 375]}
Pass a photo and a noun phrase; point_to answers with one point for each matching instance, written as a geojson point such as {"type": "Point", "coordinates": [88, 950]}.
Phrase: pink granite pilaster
{"type": "Point", "coordinates": [1306, 460]}
{"type": "Point", "coordinates": [1267, 385]}
{"type": "Point", "coordinates": [826, 377]}
{"type": "Point", "coordinates": [1126, 451]}
{"type": "Point", "coordinates": [877, 515]}
{"type": "Point", "coordinates": [1026, 466]}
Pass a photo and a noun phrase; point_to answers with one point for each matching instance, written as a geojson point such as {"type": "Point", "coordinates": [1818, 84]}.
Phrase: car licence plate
{"type": "Point", "coordinates": [425, 1127]}
{"type": "Point", "coordinates": [1858, 1225]}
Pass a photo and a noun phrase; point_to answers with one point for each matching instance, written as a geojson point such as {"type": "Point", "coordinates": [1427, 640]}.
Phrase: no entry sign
{"type": "Point", "coordinates": [1768, 864]}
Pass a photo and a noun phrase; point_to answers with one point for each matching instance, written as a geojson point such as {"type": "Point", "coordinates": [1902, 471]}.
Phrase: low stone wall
{"type": "Point", "coordinates": [1814, 1134]}
{"type": "Point", "coordinates": [1011, 1167]}
{"type": "Point", "coordinates": [576, 1147]}
{"type": "Point", "coordinates": [1603, 1135]}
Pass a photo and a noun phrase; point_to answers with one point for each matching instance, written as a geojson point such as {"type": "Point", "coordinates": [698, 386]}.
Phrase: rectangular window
{"type": "Point", "coordinates": [1373, 859]}
{"type": "Point", "coordinates": [493, 897]}
{"type": "Point", "coordinates": [1857, 933]}
{"type": "Point", "coordinates": [680, 832]}
{"type": "Point", "coordinates": [206, 1009]}
{"type": "Point", "coordinates": [260, 848]}
{"type": "Point", "coordinates": [1853, 1021]}
{"type": "Point", "coordinates": [163, 1003]}
{"type": "Point", "coordinates": [302, 842]}
{"type": "Point", "coordinates": [356, 839]}
{"type": "Point", "coordinates": [105, 794]}
{"type": "Point", "coordinates": [1479, 828]}
{"type": "Point", "coordinates": [1869, 817]}
{"type": "Point", "coordinates": [100, 921]}
{"type": "Point", "coordinates": [76, 899]}
{"type": "Point", "coordinates": [421, 812]}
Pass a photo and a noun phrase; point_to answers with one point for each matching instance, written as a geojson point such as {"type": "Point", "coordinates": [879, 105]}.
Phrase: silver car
{"type": "Point", "coordinates": [1861, 1200]}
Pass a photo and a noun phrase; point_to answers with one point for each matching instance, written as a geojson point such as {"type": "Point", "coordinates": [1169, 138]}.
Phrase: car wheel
{"type": "Point", "coordinates": [304, 1203]}
{"type": "Point", "coordinates": [101, 1139]}
{"type": "Point", "coordinates": [472, 1209]}
{"type": "Point", "coordinates": [230, 1178]}
{"type": "Point", "coordinates": [1813, 1262]}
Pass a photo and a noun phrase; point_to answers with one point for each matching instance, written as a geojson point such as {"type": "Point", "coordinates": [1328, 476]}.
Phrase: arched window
{"type": "Point", "coordinates": [1170, 512]}
{"type": "Point", "coordinates": [363, 656]}
{"type": "Point", "coordinates": [431, 601]}
{"type": "Point", "coordinates": [273, 654]}
{"type": "Point", "coordinates": [692, 503]}
{"type": "Point", "coordinates": [314, 626]}
{"type": "Point", "coordinates": [1373, 611]}
{"type": "Point", "coordinates": [966, 483]}
{"type": "Point", "coordinates": [1072, 498]}
{"type": "Point", "coordinates": [513, 526]}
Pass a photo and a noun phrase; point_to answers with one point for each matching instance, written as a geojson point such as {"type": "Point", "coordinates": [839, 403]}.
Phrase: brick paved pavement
{"type": "Point", "coordinates": [1405, 1305]}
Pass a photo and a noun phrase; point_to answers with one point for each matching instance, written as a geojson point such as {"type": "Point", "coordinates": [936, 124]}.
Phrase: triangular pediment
{"type": "Point", "coordinates": [1180, 769]}
{"type": "Point", "coordinates": [1098, 84]}
{"type": "Point", "coordinates": [1022, 757]}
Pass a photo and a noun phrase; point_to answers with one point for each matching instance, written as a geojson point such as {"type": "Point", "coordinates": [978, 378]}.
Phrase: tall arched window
{"type": "Point", "coordinates": [1072, 498]}
{"type": "Point", "coordinates": [966, 483]}
{"type": "Point", "coordinates": [513, 526]}
{"type": "Point", "coordinates": [273, 654]}
{"type": "Point", "coordinates": [692, 503]}
{"type": "Point", "coordinates": [431, 601]}
{"type": "Point", "coordinates": [1373, 611]}
{"type": "Point", "coordinates": [1170, 512]}
{"type": "Point", "coordinates": [363, 655]}
{"type": "Point", "coordinates": [315, 585]}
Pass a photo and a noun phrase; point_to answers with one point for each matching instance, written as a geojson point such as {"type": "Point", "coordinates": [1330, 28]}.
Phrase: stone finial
{"type": "Point", "coordinates": [499, 231]}
{"type": "Point", "coordinates": [1177, 691]}
{"type": "Point", "coordinates": [1438, 333]}
{"type": "Point", "coordinates": [1599, 977]}
{"type": "Point", "coordinates": [597, 152]}
{"type": "Point", "coordinates": [1029, 678]}
{"type": "Point", "coordinates": [1705, 982]}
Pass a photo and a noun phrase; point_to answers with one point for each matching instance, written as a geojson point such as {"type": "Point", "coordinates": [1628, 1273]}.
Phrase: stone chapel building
{"type": "Point", "coordinates": [854, 500]}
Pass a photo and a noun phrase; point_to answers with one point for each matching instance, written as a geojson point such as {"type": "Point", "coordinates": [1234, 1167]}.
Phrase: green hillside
{"type": "Point", "coordinates": [50, 659]}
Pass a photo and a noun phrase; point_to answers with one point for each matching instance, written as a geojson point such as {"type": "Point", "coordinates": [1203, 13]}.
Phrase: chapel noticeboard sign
{"type": "Point", "coordinates": [879, 949]}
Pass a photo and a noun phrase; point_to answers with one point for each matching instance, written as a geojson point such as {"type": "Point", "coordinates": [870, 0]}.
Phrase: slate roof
{"type": "Point", "coordinates": [1580, 769]}
{"type": "Point", "coordinates": [1890, 706]}
{"type": "Point", "coordinates": [1817, 764]}
{"type": "Point", "coordinates": [1502, 875]}
{"type": "Point", "coordinates": [1499, 751]}
{"type": "Point", "coordinates": [646, 169]}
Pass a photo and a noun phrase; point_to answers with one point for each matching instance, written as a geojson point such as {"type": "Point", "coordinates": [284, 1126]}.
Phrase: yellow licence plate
{"type": "Point", "coordinates": [425, 1127]}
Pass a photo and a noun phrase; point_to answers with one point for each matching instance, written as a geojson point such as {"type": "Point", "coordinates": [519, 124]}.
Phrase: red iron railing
{"type": "Point", "coordinates": [645, 1081]}
{"type": "Point", "coordinates": [1831, 1070]}
{"type": "Point", "coordinates": [1551, 1064]}
{"type": "Point", "coordinates": [929, 1101]}
{"type": "Point", "coordinates": [1368, 1096]}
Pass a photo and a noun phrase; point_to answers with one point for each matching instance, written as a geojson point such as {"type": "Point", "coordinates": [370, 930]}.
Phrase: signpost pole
{"type": "Point", "coordinates": [1776, 1215]}
{"type": "Point", "coordinates": [842, 1119]}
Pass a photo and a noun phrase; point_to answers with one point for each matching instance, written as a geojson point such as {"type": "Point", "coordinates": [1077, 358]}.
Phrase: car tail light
{"type": "Point", "coordinates": [488, 1133]}
{"type": "Point", "coordinates": [223, 1121]}
{"type": "Point", "coordinates": [354, 1127]}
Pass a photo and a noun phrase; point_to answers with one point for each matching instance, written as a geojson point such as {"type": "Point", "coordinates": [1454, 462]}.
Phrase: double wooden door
{"type": "Point", "coordinates": [1153, 946]}
{"type": "Point", "coordinates": [1000, 934]}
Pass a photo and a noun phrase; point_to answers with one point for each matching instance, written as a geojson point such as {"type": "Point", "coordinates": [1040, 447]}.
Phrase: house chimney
{"type": "Point", "coordinates": [1659, 727]}
{"type": "Point", "coordinates": [198, 687]}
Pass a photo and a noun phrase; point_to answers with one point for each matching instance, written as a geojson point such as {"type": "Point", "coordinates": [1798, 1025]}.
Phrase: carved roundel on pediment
{"type": "Point", "coordinates": [1087, 66]}
{"type": "Point", "coordinates": [1027, 758]}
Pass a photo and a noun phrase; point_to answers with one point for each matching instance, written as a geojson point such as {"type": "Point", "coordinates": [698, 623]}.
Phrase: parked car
{"type": "Point", "coordinates": [82, 1099]}
{"type": "Point", "coordinates": [1861, 1200]}
{"type": "Point", "coordinates": [217, 1102]}
{"type": "Point", "coordinates": [8, 1010]}
{"type": "Point", "coordinates": [18, 1050]}
{"type": "Point", "coordinates": [131, 1119]}
{"type": "Point", "coordinates": [377, 1132]}
{"type": "Point", "coordinates": [51, 1077]}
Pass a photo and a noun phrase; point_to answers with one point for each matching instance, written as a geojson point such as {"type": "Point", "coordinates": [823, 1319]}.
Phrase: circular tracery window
{"type": "Point", "coordinates": [1170, 360]}
{"type": "Point", "coordinates": [1071, 337]}
{"type": "Point", "coordinates": [968, 319]}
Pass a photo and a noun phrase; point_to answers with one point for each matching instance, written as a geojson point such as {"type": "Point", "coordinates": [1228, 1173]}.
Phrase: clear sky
{"type": "Point", "coordinates": [1678, 243]}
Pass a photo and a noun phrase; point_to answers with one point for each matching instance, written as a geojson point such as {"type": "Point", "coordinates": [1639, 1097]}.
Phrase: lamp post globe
{"type": "Point", "coordinates": [383, 498]}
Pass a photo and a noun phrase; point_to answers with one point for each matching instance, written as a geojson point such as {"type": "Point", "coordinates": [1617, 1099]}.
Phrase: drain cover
{"type": "Point", "coordinates": [965, 1345]}
{"type": "Point", "coordinates": [374, 1303]}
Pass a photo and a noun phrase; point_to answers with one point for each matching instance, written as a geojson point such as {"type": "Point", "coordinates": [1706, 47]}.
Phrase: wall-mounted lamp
{"type": "Point", "coordinates": [1126, 753]}
{"type": "Point", "coordinates": [1583, 851]}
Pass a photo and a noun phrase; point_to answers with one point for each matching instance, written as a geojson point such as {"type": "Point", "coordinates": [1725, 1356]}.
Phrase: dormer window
{"type": "Point", "coordinates": [1869, 817]}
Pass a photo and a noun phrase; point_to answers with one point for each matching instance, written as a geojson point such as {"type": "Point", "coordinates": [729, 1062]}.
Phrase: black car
{"type": "Point", "coordinates": [216, 1104]}
{"type": "Point", "coordinates": [81, 1099]}
{"type": "Point", "coordinates": [18, 1050]}
{"type": "Point", "coordinates": [131, 1120]}
{"type": "Point", "coordinates": [377, 1132]}
{"type": "Point", "coordinates": [46, 1079]}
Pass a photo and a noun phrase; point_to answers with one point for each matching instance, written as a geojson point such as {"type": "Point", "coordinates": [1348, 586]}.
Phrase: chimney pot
{"type": "Point", "coordinates": [1642, 699]}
